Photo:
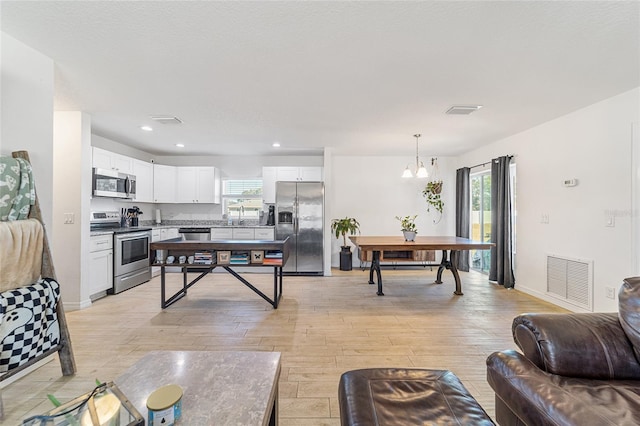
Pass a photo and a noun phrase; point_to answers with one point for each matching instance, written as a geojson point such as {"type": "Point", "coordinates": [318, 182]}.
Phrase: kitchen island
{"type": "Point", "coordinates": [202, 257]}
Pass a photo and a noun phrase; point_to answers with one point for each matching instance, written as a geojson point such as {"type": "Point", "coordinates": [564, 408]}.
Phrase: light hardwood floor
{"type": "Point", "coordinates": [323, 327]}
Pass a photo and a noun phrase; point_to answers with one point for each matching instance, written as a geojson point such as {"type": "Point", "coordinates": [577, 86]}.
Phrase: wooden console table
{"type": "Point", "coordinates": [226, 248]}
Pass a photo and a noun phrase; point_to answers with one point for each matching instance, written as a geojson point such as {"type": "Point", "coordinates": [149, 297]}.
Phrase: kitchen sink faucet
{"type": "Point", "coordinates": [240, 212]}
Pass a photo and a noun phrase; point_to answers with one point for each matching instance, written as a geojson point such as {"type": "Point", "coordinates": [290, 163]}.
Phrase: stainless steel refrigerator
{"type": "Point", "coordinates": [299, 216]}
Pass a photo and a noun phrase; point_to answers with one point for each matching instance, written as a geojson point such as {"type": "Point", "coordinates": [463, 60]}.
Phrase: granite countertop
{"type": "Point", "coordinates": [98, 233]}
{"type": "Point", "coordinates": [219, 387]}
{"type": "Point", "coordinates": [191, 224]}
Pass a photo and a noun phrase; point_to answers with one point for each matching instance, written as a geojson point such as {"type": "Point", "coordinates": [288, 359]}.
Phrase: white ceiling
{"type": "Point", "coordinates": [360, 77]}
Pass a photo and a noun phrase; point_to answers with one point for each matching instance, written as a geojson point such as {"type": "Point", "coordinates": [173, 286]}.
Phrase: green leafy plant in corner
{"type": "Point", "coordinates": [431, 192]}
{"type": "Point", "coordinates": [342, 227]}
{"type": "Point", "coordinates": [408, 223]}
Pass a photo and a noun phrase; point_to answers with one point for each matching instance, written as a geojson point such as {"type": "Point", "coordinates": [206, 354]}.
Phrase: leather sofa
{"type": "Point", "coordinates": [574, 369]}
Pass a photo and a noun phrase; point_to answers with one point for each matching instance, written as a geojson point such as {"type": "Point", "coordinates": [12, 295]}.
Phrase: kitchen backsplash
{"type": "Point", "coordinates": [196, 222]}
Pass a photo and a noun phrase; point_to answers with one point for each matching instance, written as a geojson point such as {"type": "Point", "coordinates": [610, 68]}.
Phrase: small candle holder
{"type": "Point", "coordinates": [105, 405]}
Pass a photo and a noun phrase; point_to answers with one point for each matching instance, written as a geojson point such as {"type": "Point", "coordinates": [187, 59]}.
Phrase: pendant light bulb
{"type": "Point", "coordinates": [407, 173]}
{"type": "Point", "coordinates": [422, 171]}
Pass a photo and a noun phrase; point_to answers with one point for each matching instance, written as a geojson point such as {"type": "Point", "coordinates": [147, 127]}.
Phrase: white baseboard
{"type": "Point", "coordinates": [75, 306]}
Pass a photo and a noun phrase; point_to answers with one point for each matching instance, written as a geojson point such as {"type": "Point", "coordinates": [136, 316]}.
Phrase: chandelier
{"type": "Point", "coordinates": [421, 171]}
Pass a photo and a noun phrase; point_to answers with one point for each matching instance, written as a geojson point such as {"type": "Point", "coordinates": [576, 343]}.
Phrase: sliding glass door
{"type": "Point", "coordinates": [481, 219]}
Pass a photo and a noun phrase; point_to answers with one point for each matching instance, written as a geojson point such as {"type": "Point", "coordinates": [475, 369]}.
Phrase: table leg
{"type": "Point", "coordinates": [163, 303]}
{"type": "Point", "coordinates": [449, 259]}
{"type": "Point", "coordinates": [273, 418]}
{"type": "Point", "coordinates": [184, 279]}
{"type": "Point", "coordinates": [275, 287]}
{"type": "Point", "coordinates": [442, 267]}
{"type": "Point", "coordinates": [375, 266]}
{"type": "Point", "coordinates": [454, 271]}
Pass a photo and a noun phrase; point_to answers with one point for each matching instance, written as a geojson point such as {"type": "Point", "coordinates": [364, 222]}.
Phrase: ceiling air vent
{"type": "Point", "coordinates": [463, 109]}
{"type": "Point", "coordinates": [166, 119]}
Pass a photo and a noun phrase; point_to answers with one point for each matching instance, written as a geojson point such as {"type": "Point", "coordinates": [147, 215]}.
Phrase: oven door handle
{"type": "Point", "coordinates": [133, 236]}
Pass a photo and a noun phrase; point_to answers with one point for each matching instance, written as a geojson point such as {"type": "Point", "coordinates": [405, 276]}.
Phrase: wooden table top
{"type": "Point", "coordinates": [379, 243]}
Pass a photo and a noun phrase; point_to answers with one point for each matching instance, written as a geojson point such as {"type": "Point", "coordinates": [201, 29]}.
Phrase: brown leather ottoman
{"type": "Point", "coordinates": [401, 396]}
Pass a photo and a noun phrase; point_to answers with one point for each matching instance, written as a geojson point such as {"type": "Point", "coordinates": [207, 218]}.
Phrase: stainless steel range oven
{"type": "Point", "coordinates": [130, 259]}
{"type": "Point", "coordinates": [130, 250]}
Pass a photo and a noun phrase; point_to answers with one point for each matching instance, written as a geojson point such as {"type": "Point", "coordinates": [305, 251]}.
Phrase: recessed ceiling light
{"type": "Point", "coordinates": [276, 144]}
{"type": "Point", "coordinates": [180, 145]}
{"type": "Point", "coordinates": [146, 128]}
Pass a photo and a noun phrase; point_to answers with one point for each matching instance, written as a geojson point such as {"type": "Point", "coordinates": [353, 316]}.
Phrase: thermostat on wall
{"type": "Point", "coordinates": [570, 182]}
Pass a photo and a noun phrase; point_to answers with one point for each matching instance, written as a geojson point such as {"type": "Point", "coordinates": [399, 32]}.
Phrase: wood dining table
{"type": "Point", "coordinates": [450, 246]}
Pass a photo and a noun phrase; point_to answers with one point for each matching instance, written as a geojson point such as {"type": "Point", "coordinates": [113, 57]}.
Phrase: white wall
{"type": "Point", "coordinates": [372, 190]}
{"type": "Point", "coordinates": [72, 188]}
{"type": "Point", "coordinates": [635, 212]}
{"type": "Point", "coordinates": [592, 145]}
{"type": "Point", "coordinates": [26, 122]}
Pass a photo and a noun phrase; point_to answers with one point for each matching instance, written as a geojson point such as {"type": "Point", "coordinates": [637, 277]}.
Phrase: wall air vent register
{"type": "Point", "coordinates": [570, 280]}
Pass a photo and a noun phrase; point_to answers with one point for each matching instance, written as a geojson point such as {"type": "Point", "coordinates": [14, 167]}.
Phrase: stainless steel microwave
{"type": "Point", "coordinates": [111, 183]}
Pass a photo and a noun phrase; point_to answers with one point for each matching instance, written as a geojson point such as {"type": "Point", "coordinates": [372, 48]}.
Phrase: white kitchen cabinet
{"type": "Point", "coordinates": [287, 173]}
{"type": "Point", "coordinates": [270, 175]}
{"type": "Point", "coordinates": [265, 234]}
{"type": "Point", "coordinates": [299, 174]}
{"type": "Point", "coordinates": [100, 264]}
{"type": "Point", "coordinates": [144, 181]}
{"type": "Point", "coordinates": [164, 184]}
{"type": "Point", "coordinates": [217, 186]}
{"type": "Point", "coordinates": [243, 234]}
{"type": "Point", "coordinates": [156, 235]}
{"type": "Point", "coordinates": [310, 174]}
{"type": "Point", "coordinates": [221, 233]}
{"type": "Point", "coordinates": [196, 185]}
{"type": "Point", "coordinates": [168, 233]}
{"type": "Point", "coordinates": [104, 159]}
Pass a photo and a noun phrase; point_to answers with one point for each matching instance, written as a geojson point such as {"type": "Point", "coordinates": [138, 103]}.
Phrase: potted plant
{"type": "Point", "coordinates": [342, 227]}
{"type": "Point", "coordinates": [432, 194]}
{"type": "Point", "coordinates": [408, 227]}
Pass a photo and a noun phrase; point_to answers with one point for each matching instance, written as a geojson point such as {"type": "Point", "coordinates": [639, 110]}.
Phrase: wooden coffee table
{"type": "Point", "coordinates": [219, 387]}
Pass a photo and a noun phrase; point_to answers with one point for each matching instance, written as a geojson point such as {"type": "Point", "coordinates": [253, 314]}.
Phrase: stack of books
{"type": "Point", "coordinates": [202, 258]}
{"type": "Point", "coordinates": [272, 257]}
{"type": "Point", "coordinates": [239, 259]}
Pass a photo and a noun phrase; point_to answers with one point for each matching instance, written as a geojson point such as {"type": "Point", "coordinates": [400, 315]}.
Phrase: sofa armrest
{"type": "Point", "coordinates": [543, 399]}
{"type": "Point", "coordinates": [587, 345]}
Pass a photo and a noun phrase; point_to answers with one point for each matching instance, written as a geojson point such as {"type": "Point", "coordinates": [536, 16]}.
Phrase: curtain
{"type": "Point", "coordinates": [501, 268]}
{"type": "Point", "coordinates": [463, 214]}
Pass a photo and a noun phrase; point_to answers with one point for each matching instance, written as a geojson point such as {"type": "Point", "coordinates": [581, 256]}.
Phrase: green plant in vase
{"type": "Point", "coordinates": [431, 192]}
{"type": "Point", "coordinates": [342, 227]}
{"type": "Point", "coordinates": [408, 227]}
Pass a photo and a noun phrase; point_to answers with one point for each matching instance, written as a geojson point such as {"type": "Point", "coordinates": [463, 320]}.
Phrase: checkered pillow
{"type": "Point", "coordinates": [28, 322]}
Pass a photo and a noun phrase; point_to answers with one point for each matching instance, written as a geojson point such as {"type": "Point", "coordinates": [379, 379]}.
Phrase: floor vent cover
{"type": "Point", "coordinates": [570, 280]}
